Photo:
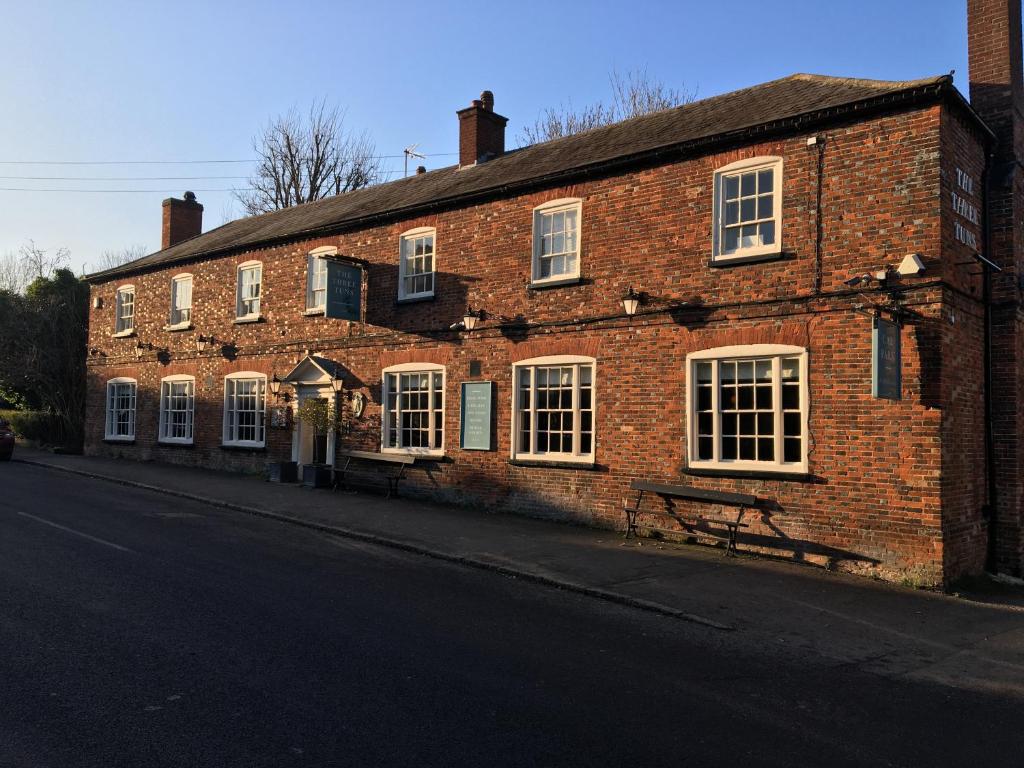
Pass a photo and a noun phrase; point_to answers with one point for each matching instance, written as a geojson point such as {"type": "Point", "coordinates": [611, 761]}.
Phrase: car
{"type": "Point", "coordinates": [6, 440]}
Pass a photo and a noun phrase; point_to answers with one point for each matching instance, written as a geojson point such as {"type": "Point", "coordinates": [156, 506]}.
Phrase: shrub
{"type": "Point", "coordinates": [38, 426]}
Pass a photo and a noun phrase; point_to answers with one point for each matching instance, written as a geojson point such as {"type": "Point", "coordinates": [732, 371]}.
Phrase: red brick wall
{"type": "Point", "coordinates": [874, 498]}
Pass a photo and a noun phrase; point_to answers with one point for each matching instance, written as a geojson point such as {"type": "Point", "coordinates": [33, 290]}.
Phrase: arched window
{"type": "Point", "coordinates": [747, 408]}
{"type": "Point", "coordinates": [417, 263]}
{"type": "Point", "coordinates": [553, 409]}
{"type": "Point", "coordinates": [250, 283]}
{"type": "Point", "coordinates": [120, 421]}
{"type": "Point", "coordinates": [245, 405]}
{"type": "Point", "coordinates": [413, 414]}
{"type": "Point", "coordinates": [748, 209]}
{"type": "Point", "coordinates": [556, 241]}
{"type": "Point", "coordinates": [177, 409]}
{"type": "Point", "coordinates": [124, 311]}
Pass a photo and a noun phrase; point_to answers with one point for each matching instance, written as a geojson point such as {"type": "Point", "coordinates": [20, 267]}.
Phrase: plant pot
{"type": "Point", "coordinates": [316, 475]}
{"type": "Point", "coordinates": [283, 471]}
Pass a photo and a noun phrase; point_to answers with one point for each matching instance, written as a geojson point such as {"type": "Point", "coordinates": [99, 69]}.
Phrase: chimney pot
{"type": "Point", "coordinates": [481, 131]}
{"type": "Point", "coordinates": [182, 219]}
{"type": "Point", "coordinates": [421, 169]}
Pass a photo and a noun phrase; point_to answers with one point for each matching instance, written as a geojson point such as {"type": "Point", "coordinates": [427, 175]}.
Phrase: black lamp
{"type": "Point", "coordinates": [631, 301]}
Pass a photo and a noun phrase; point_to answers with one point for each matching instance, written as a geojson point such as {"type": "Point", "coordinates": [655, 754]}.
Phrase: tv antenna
{"type": "Point", "coordinates": [411, 152]}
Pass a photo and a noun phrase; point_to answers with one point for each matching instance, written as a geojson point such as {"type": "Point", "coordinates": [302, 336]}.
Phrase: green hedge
{"type": "Point", "coordinates": [38, 426]}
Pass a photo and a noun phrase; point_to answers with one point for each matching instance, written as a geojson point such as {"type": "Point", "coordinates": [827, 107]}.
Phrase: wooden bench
{"type": "Point", "coordinates": [394, 459]}
{"type": "Point", "coordinates": [670, 492]}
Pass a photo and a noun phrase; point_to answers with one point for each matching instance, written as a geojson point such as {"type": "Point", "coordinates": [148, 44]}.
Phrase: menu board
{"type": "Point", "coordinates": [475, 416]}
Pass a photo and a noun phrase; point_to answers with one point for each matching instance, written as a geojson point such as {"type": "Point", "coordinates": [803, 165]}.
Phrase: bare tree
{"type": "Point", "coordinates": [632, 95]}
{"type": "Point", "coordinates": [302, 159]}
{"type": "Point", "coordinates": [42, 263]}
{"type": "Point", "coordinates": [13, 274]}
{"type": "Point", "coordinates": [111, 258]}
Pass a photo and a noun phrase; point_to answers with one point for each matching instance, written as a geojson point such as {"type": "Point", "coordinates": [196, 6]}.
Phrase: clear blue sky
{"type": "Point", "coordinates": [194, 81]}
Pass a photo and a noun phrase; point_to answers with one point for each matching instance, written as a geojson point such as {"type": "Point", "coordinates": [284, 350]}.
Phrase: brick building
{"type": "Point", "coordinates": [765, 232]}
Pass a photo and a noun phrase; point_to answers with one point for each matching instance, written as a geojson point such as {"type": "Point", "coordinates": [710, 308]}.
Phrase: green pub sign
{"type": "Point", "coordinates": [344, 291]}
{"type": "Point", "coordinates": [475, 416]}
{"type": "Point", "coordinates": [886, 360]}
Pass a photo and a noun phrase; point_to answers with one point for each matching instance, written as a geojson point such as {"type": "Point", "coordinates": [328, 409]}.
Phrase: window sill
{"type": "Point", "coordinates": [414, 299]}
{"type": "Point", "coordinates": [748, 474]}
{"type": "Point", "coordinates": [123, 334]}
{"type": "Point", "coordinates": [175, 444]}
{"type": "Point", "coordinates": [735, 261]}
{"type": "Point", "coordinates": [243, 448]}
{"type": "Point", "coordinates": [541, 285]}
{"type": "Point", "coordinates": [119, 440]}
{"type": "Point", "coordinates": [314, 312]}
{"type": "Point", "coordinates": [554, 464]}
{"type": "Point", "coordinates": [179, 327]}
{"type": "Point", "coordinates": [249, 319]}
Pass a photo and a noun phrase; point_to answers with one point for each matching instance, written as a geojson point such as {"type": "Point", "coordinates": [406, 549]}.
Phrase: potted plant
{"type": "Point", "coordinates": [316, 414]}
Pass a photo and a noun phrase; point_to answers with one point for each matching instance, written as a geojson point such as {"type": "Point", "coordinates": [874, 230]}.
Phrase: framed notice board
{"type": "Point", "coordinates": [475, 415]}
{"type": "Point", "coordinates": [886, 360]}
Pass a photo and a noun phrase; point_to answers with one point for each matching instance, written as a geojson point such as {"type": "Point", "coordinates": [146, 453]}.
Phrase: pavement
{"type": "Point", "coordinates": [973, 642]}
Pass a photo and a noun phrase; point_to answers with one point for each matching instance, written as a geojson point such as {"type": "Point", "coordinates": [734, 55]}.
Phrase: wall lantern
{"type": "Point", "coordinates": [631, 301]}
{"type": "Point", "coordinates": [275, 386]}
{"type": "Point", "coordinates": [337, 382]}
{"type": "Point", "coordinates": [140, 348]}
{"type": "Point", "coordinates": [471, 318]}
{"type": "Point", "coordinates": [202, 342]}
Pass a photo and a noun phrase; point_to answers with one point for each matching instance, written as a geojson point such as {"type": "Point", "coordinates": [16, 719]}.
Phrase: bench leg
{"type": "Point", "coordinates": [631, 516]}
{"type": "Point", "coordinates": [730, 550]}
{"type": "Point", "coordinates": [393, 483]}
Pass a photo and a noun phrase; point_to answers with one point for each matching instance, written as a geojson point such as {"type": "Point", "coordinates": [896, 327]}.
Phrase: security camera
{"type": "Point", "coordinates": [855, 281]}
{"type": "Point", "coordinates": [456, 326]}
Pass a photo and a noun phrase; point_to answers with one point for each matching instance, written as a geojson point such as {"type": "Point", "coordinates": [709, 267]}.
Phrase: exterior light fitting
{"type": "Point", "coordinates": [202, 342]}
{"type": "Point", "coordinates": [631, 301]}
{"type": "Point", "coordinates": [337, 382]}
{"type": "Point", "coordinates": [471, 318]}
{"type": "Point", "coordinates": [275, 386]}
{"type": "Point", "coordinates": [140, 348]}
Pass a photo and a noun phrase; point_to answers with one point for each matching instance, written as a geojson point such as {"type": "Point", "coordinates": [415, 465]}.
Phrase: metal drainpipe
{"type": "Point", "coordinates": [986, 298]}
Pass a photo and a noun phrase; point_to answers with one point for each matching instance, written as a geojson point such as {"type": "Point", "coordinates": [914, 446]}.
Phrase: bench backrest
{"type": "Point", "coordinates": [696, 494]}
{"type": "Point", "coordinates": [391, 458]}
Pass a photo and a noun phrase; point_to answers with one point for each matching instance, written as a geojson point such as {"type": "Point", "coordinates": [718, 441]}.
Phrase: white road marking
{"type": "Point", "coordinates": [76, 533]}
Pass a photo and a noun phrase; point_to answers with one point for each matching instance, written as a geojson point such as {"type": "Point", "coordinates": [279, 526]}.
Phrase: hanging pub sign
{"type": "Point", "coordinates": [344, 291]}
{"type": "Point", "coordinates": [475, 427]}
{"type": "Point", "coordinates": [886, 359]}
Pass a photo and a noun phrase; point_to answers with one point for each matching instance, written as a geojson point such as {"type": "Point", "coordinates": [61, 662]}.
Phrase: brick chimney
{"type": "Point", "coordinates": [481, 131]}
{"type": "Point", "coordinates": [997, 89]}
{"type": "Point", "coordinates": [182, 219]}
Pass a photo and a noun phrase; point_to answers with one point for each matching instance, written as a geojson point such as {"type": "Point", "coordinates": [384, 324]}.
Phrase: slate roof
{"type": "Point", "coordinates": [794, 102]}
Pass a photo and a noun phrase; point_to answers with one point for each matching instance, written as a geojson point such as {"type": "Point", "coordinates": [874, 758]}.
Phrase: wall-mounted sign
{"type": "Point", "coordinates": [886, 360]}
{"type": "Point", "coordinates": [967, 227]}
{"type": "Point", "coordinates": [279, 417]}
{"type": "Point", "coordinates": [475, 416]}
{"type": "Point", "coordinates": [344, 291]}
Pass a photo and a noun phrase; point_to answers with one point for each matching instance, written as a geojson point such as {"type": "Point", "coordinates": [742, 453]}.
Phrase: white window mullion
{"type": "Point", "coordinates": [576, 416]}
{"type": "Point", "coordinates": [716, 413]}
{"type": "Point", "coordinates": [777, 406]}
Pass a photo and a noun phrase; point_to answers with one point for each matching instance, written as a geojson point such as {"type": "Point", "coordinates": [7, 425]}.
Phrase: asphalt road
{"type": "Point", "coordinates": [138, 630]}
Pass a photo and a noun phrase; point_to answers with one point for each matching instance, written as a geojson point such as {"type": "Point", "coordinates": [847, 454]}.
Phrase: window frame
{"type": "Point", "coordinates": [318, 256]}
{"type": "Point", "coordinates": [428, 368]}
{"type": "Point", "coordinates": [190, 412]}
{"type": "Point", "coordinates": [546, 209]}
{"type": "Point", "coordinates": [180, 324]}
{"type": "Point", "coordinates": [257, 265]}
{"type": "Point", "coordinates": [747, 352]}
{"type": "Point", "coordinates": [109, 410]}
{"type": "Point", "coordinates": [411, 236]}
{"type": "Point", "coordinates": [229, 380]}
{"type": "Point", "coordinates": [748, 165]}
{"type": "Point", "coordinates": [118, 304]}
{"type": "Point", "coordinates": [549, 457]}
